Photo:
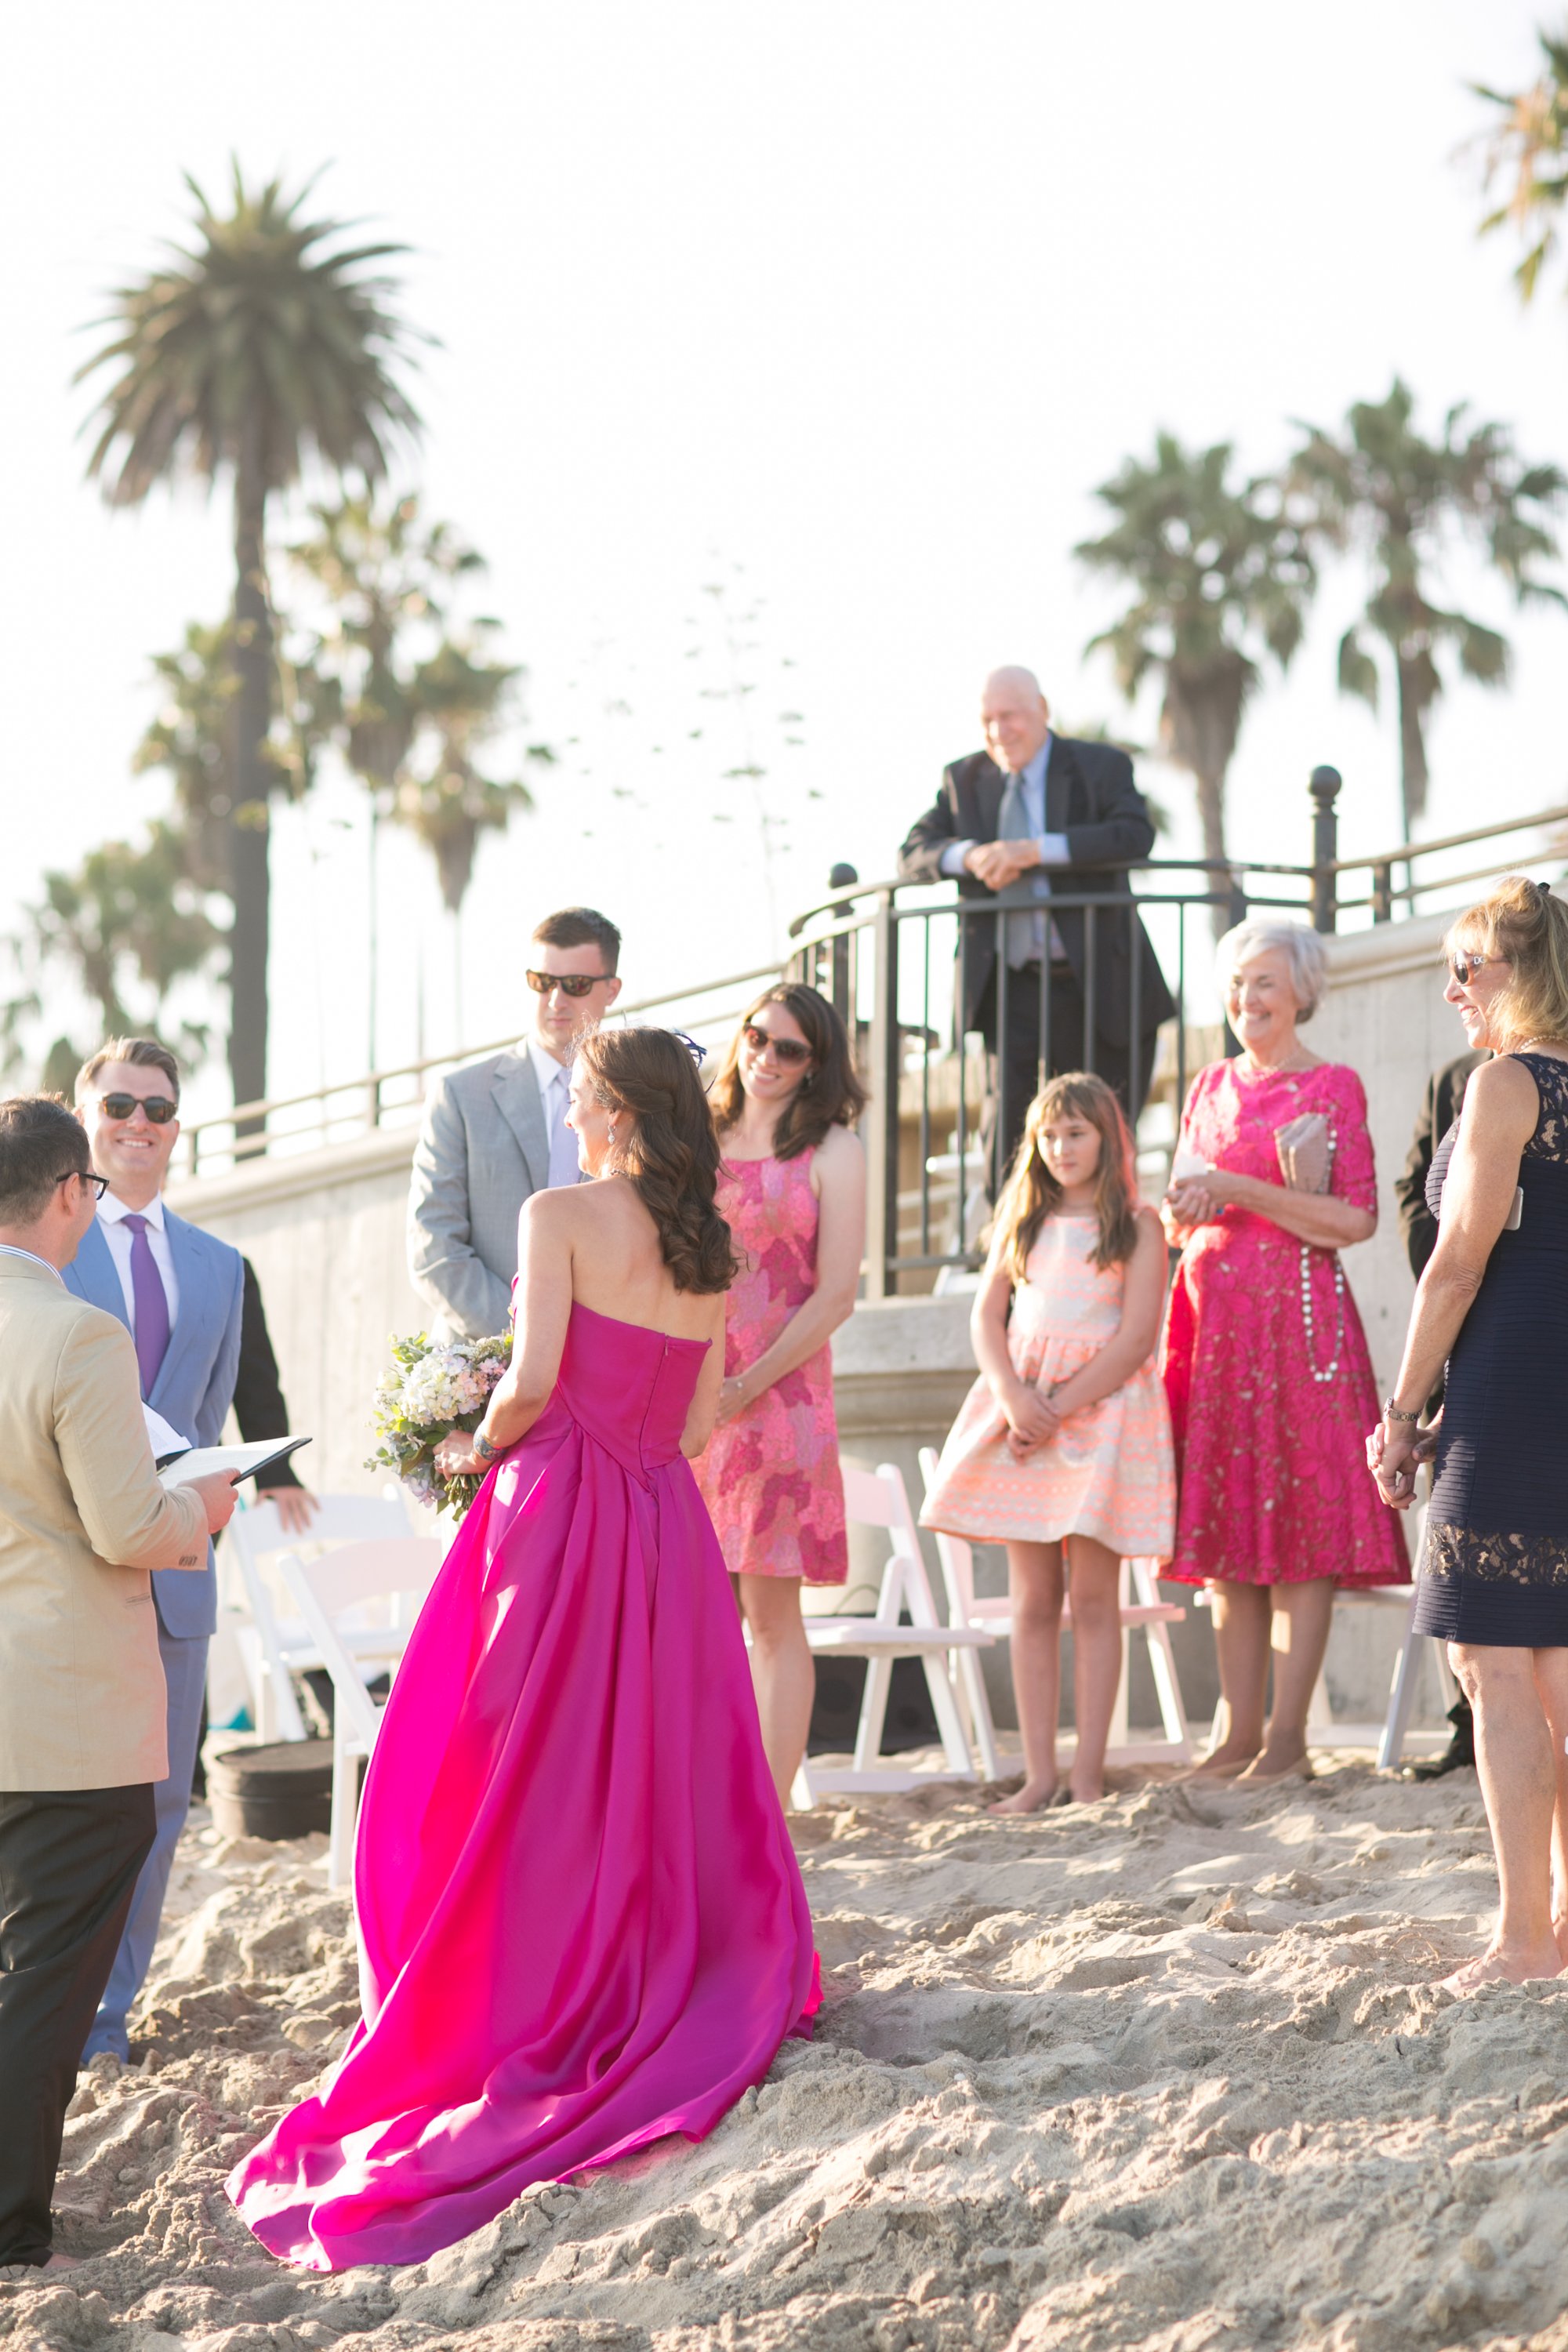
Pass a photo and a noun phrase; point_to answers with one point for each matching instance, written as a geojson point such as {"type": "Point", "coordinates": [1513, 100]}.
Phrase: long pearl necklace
{"type": "Point", "coordinates": [1332, 1365]}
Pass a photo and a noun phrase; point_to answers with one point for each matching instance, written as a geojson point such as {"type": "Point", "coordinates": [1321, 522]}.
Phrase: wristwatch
{"type": "Point", "coordinates": [1390, 1412]}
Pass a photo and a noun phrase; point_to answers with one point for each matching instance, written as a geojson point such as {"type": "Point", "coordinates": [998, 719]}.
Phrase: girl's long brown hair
{"type": "Point", "coordinates": [1031, 1193]}
{"type": "Point", "coordinates": [672, 1154]}
{"type": "Point", "coordinates": [830, 1094]}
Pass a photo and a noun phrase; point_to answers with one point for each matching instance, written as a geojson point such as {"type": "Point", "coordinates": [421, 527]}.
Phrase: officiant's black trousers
{"type": "Point", "coordinates": [69, 1864]}
{"type": "Point", "coordinates": [1016, 1060]}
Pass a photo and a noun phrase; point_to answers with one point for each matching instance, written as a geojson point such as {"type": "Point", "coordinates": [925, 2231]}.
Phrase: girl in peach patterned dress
{"type": "Point", "coordinates": [793, 1190]}
{"type": "Point", "coordinates": [1062, 1450]}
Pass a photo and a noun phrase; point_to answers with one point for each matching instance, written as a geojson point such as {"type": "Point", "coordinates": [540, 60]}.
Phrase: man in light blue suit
{"type": "Point", "coordinates": [178, 1291]}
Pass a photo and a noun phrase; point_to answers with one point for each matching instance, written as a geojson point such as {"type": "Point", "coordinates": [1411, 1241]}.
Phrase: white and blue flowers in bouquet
{"type": "Point", "coordinates": [431, 1387]}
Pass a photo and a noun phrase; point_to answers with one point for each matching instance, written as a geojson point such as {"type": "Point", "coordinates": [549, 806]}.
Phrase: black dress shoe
{"type": "Point", "coordinates": [1460, 1753]}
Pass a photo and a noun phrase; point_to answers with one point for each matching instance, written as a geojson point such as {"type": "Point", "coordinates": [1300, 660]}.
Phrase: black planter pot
{"type": "Point", "coordinates": [281, 1792]}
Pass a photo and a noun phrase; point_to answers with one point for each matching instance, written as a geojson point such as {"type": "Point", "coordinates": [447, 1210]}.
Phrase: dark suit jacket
{"type": "Point", "coordinates": [1439, 1109]}
{"type": "Point", "coordinates": [1090, 796]}
{"type": "Point", "coordinates": [259, 1405]}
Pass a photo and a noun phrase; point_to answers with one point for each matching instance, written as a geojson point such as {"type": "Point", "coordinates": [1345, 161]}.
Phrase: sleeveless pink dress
{"type": "Point", "coordinates": [771, 1477]}
{"type": "Point", "coordinates": [581, 1924]}
{"type": "Point", "coordinates": [1109, 1471]}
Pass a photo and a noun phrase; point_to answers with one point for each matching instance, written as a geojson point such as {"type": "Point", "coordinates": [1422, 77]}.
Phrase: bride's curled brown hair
{"type": "Point", "coordinates": [672, 1154]}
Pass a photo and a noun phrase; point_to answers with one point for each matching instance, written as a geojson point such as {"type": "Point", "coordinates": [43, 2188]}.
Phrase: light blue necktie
{"type": "Point", "coordinates": [1025, 933]}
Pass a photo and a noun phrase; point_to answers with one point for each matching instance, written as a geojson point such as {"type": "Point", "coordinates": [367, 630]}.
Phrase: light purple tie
{"type": "Point", "coordinates": [150, 1304]}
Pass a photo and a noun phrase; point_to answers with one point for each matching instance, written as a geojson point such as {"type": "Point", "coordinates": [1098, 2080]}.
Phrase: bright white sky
{"type": "Point", "coordinates": [847, 306]}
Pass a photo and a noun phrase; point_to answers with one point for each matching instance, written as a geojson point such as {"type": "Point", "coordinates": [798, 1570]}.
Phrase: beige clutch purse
{"type": "Point", "coordinates": [1306, 1149]}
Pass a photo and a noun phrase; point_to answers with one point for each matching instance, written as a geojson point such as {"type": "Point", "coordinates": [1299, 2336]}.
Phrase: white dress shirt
{"type": "Point", "coordinates": [111, 1215]}
{"type": "Point", "coordinates": [555, 1092]}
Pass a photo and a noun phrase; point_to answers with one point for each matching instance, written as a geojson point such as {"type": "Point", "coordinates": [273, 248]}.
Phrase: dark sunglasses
{"type": "Point", "coordinates": [158, 1107]}
{"type": "Point", "coordinates": [790, 1050]}
{"type": "Point", "coordinates": [1464, 967]}
{"type": "Point", "coordinates": [89, 1176]}
{"type": "Point", "coordinates": [570, 983]}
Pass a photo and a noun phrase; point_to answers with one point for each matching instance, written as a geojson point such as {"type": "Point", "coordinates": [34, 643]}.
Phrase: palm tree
{"type": "Point", "coordinates": [265, 347]}
{"type": "Point", "coordinates": [1405, 498]}
{"type": "Point", "coordinates": [1221, 577]}
{"type": "Point", "coordinates": [417, 700]}
{"type": "Point", "coordinates": [126, 920]}
{"type": "Point", "coordinates": [1530, 147]}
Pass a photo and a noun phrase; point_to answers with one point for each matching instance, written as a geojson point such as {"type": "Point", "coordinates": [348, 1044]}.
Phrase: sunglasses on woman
{"type": "Point", "coordinates": [570, 983]}
{"type": "Point", "coordinates": [790, 1050]}
{"type": "Point", "coordinates": [158, 1107]}
{"type": "Point", "coordinates": [1465, 965]}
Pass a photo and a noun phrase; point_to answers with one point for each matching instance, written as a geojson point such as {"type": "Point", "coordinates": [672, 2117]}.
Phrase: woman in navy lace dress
{"type": "Point", "coordinates": [1493, 1307]}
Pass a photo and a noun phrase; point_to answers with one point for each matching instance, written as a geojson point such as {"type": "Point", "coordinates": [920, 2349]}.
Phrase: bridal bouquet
{"type": "Point", "coordinates": [430, 1387]}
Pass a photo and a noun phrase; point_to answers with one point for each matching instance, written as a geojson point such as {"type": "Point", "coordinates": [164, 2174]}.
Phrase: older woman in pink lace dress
{"type": "Point", "coordinates": [1265, 1365]}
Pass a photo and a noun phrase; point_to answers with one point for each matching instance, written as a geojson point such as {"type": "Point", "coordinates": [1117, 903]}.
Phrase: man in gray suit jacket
{"type": "Point", "coordinates": [495, 1132]}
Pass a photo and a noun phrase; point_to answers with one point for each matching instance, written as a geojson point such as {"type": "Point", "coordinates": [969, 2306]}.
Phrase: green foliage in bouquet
{"type": "Point", "coordinates": [430, 1388]}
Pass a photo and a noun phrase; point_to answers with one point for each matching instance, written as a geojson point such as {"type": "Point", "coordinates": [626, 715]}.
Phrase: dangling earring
{"type": "Point", "coordinates": [806, 1082]}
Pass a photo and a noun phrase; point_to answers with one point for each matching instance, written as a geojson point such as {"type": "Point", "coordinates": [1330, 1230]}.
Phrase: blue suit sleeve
{"type": "Point", "coordinates": [226, 1362]}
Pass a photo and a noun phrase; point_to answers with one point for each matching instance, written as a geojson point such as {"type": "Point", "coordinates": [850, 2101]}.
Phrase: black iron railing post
{"type": "Point", "coordinates": [1324, 789]}
{"type": "Point", "coordinates": [838, 951]}
{"type": "Point", "coordinates": [882, 1126]}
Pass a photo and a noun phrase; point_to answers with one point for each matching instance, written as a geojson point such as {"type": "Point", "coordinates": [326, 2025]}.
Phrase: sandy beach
{"type": "Point", "coordinates": [1168, 2072]}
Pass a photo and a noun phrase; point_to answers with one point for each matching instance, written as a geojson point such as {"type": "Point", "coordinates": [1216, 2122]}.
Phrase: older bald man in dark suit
{"type": "Point", "coordinates": [1034, 806]}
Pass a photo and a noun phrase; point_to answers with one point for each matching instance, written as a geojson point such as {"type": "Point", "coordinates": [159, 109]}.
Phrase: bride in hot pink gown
{"type": "Point", "coordinates": [581, 1924]}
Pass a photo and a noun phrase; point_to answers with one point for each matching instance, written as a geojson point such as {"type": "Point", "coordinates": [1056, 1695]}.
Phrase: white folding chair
{"type": "Point", "coordinates": [398, 1569]}
{"type": "Point", "coordinates": [878, 1499]}
{"type": "Point", "coordinates": [273, 1647]}
{"type": "Point", "coordinates": [1148, 1614]}
{"type": "Point", "coordinates": [1391, 1735]}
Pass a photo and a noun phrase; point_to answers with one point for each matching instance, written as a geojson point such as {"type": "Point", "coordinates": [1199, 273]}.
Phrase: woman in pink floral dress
{"type": "Point", "coordinates": [1266, 1366]}
{"type": "Point", "coordinates": [794, 1191]}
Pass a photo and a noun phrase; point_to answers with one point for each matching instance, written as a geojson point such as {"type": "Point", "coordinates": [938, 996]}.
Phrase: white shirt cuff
{"type": "Point", "coordinates": [952, 859]}
{"type": "Point", "coordinates": [1054, 849]}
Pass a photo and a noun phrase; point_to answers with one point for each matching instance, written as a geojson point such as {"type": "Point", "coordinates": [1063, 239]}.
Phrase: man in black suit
{"type": "Point", "coordinates": [1439, 1109]}
{"type": "Point", "coordinates": [1030, 803]}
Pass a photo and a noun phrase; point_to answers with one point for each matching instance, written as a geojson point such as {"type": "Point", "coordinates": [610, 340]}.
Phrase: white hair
{"type": "Point", "coordinates": [1303, 950]}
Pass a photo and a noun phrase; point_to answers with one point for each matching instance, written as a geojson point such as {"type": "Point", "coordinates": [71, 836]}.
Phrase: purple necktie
{"type": "Point", "coordinates": [150, 1304]}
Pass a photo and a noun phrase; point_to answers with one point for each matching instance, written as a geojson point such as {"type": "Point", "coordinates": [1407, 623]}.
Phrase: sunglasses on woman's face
{"type": "Point", "coordinates": [158, 1107]}
{"type": "Point", "coordinates": [1465, 966]}
{"type": "Point", "coordinates": [570, 983]}
{"type": "Point", "coordinates": [790, 1050]}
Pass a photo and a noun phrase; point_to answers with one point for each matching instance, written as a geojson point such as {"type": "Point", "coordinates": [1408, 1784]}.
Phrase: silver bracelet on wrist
{"type": "Point", "coordinates": [1390, 1412]}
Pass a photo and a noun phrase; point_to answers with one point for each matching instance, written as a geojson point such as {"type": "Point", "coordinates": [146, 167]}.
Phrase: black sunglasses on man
{"type": "Point", "coordinates": [570, 983]}
{"type": "Point", "coordinates": [158, 1107]}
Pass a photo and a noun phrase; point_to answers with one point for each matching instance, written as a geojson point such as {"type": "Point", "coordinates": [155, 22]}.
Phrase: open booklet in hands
{"type": "Point", "coordinates": [240, 1461]}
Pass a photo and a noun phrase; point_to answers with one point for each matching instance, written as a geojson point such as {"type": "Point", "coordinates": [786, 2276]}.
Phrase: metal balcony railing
{"type": "Point", "coordinates": [886, 953]}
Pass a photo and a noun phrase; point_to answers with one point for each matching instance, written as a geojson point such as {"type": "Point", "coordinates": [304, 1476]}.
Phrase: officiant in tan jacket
{"type": "Point", "coordinates": [83, 1519]}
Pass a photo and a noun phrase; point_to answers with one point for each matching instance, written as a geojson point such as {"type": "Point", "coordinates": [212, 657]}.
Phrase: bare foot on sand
{"type": "Point", "coordinates": [1032, 1797]}
{"type": "Point", "coordinates": [1225, 1762]}
{"type": "Point", "coordinates": [1089, 1793]}
{"type": "Point", "coordinates": [1560, 1931]}
{"type": "Point", "coordinates": [23, 2272]}
{"type": "Point", "coordinates": [1289, 1762]}
{"type": "Point", "coordinates": [1497, 1966]}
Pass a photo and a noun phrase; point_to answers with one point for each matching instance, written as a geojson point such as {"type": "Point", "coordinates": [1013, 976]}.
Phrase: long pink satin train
{"type": "Point", "coordinates": [582, 1923]}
